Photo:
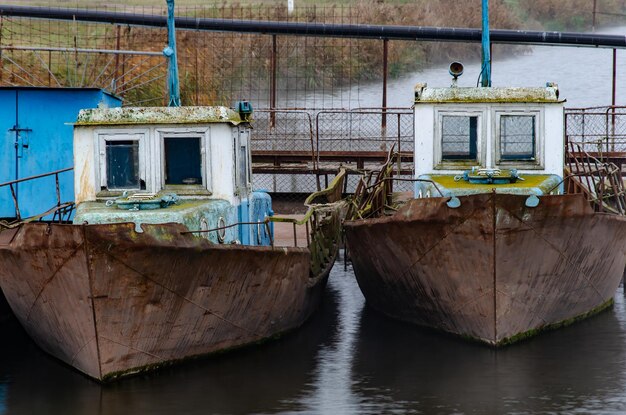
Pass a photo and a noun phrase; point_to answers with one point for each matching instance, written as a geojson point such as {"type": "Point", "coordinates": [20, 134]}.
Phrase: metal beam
{"type": "Point", "coordinates": [322, 29]}
{"type": "Point", "coordinates": [82, 50]}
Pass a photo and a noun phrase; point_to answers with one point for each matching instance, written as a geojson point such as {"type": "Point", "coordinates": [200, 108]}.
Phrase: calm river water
{"type": "Point", "coordinates": [584, 76]}
{"type": "Point", "coordinates": [347, 359]}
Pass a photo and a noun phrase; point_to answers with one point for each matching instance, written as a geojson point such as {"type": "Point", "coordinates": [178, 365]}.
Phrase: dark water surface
{"type": "Point", "coordinates": [347, 359]}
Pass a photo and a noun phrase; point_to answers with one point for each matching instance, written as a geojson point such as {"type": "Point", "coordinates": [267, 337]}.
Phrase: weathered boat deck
{"type": "Point", "coordinates": [283, 232]}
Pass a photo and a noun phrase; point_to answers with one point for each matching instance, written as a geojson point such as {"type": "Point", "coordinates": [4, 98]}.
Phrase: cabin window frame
{"type": "Point", "coordinates": [102, 137]}
{"type": "Point", "coordinates": [203, 134]}
{"type": "Point", "coordinates": [536, 163]}
{"type": "Point", "coordinates": [460, 164]}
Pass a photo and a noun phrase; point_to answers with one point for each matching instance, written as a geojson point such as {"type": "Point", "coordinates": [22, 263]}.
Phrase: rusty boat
{"type": "Point", "coordinates": [170, 255]}
{"type": "Point", "coordinates": [500, 238]}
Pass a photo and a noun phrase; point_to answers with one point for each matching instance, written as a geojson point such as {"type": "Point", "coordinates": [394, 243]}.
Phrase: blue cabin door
{"type": "Point", "coordinates": [44, 143]}
{"type": "Point", "coordinates": [38, 139]}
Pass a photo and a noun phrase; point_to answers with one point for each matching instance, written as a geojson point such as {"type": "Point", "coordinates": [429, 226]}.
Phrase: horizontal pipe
{"type": "Point", "coordinates": [82, 50]}
{"type": "Point", "coordinates": [323, 29]}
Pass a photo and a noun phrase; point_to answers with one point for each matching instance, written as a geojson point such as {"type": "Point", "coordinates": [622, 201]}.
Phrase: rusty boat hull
{"type": "Point", "coordinates": [111, 301]}
{"type": "Point", "coordinates": [492, 269]}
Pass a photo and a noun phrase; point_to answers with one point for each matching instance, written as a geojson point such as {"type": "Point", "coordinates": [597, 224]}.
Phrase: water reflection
{"type": "Point", "coordinates": [577, 368]}
{"type": "Point", "coordinates": [347, 360]}
{"type": "Point", "coordinates": [331, 390]}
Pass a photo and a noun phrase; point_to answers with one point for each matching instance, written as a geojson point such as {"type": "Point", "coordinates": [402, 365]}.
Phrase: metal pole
{"type": "Point", "coordinates": [384, 114]}
{"type": "Point", "coordinates": [58, 188]}
{"type": "Point", "coordinates": [170, 52]}
{"type": "Point", "coordinates": [273, 83]}
{"type": "Point", "coordinates": [614, 76]}
{"type": "Point", "coordinates": [593, 22]}
{"type": "Point", "coordinates": [117, 57]}
{"type": "Point", "coordinates": [613, 94]}
{"type": "Point", "coordinates": [486, 55]}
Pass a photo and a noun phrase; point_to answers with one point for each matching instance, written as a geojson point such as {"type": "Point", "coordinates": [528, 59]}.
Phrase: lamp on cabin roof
{"type": "Point", "coordinates": [170, 53]}
{"type": "Point", "coordinates": [456, 70]}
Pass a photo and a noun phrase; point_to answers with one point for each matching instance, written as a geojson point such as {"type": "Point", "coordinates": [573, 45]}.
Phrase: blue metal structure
{"type": "Point", "coordinates": [36, 137]}
{"type": "Point", "coordinates": [486, 44]}
{"type": "Point", "coordinates": [170, 53]}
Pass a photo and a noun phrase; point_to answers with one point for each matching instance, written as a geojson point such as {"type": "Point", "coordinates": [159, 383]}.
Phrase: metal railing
{"type": "Point", "coordinates": [599, 181]}
{"type": "Point", "coordinates": [62, 211]}
{"type": "Point", "coordinates": [358, 139]}
{"type": "Point", "coordinates": [602, 130]}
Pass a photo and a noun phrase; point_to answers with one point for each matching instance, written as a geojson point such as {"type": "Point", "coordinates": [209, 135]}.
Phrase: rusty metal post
{"type": "Point", "coordinates": [117, 55]}
{"type": "Point", "coordinates": [593, 19]}
{"type": "Point", "coordinates": [196, 76]}
{"type": "Point", "coordinates": [49, 66]}
{"type": "Point", "coordinates": [17, 206]}
{"type": "Point", "coordinates": [613, 94]}
{"type": "Point", "coordinates": [399, 147]}
{"type": "Point", "coordinates": [295, 236]}
{"type": "Point", "coordinates": [128, 45]}
{"type": "Point", "coordinates": [56, 182]}
{"type": "Point", "coordinates": [614, 76]}
{"type": "Point", "coordinates": [273, 82]}
{"type": "Point", "coordinates": [317, 150]}
{"type": "Point", "coordinates": [383, 125]}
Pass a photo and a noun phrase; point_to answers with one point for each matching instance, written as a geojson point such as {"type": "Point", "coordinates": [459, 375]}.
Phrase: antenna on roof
{"type": "Point", "coordinates": [170, 53]}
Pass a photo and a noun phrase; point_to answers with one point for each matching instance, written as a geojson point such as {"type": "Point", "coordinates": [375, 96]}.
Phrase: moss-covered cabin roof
{"type": "Point", "coordinates": [157, 115]}
{"type": "Point", "coordinates": [424, 94]}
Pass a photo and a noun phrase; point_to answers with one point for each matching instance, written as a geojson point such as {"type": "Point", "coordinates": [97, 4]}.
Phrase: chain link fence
{"type": "Point", "coordinates": [296, 152]}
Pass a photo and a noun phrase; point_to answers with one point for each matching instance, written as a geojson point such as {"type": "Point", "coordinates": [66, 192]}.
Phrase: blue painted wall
{"type": "Point", "coordinates": [48, 113]}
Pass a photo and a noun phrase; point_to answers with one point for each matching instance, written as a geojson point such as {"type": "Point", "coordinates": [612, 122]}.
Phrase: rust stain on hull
{"type": "Point", "coordinates": [492, 269]}
{"type": "Point", "coordinates": [110, 301]}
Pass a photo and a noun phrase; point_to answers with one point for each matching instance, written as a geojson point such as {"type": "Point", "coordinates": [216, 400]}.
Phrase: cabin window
{"type": "Point", "coordinates": [122, 164]}
{"type": "Point", "coordinates": [459, 137]}
{"type": "Point", "coordinates": [121, 160]}
{"type": "Point", "coordinates": [517, 137]}
{"type": "Point", "coordinates": [183, 160]}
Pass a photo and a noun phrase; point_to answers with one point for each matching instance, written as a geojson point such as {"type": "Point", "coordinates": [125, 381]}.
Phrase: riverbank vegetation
{"type": "Point", "coordinates": [222, 67]}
